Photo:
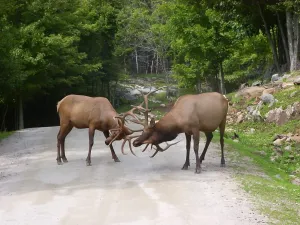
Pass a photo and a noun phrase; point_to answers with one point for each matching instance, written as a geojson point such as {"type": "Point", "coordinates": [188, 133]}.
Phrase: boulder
{"type": "Point", "coordinates": [242, 86]}
{"type": "Point", "coordinates": [297, 81]}
{"type": "Point", "coordinates": [279, 142]}
{"type": "Point", "coordinates": [296, 139]}
{"type": "Point", "coordinates": [269, 91]}
{"type": "Point", "coordinates": [296, 108]}
{"type": "Point", "coordinates": [275, 77]}
{"type": "Point", "coordinates": [286, 85]}
{"type": "Point", "coordinates": [240, 118]}
{"type": "Point", "coordinates": [256, 83]}
{"type": "Point", "coordinates": [277, 115]}
{"type": "Point", "coordinates": [250, 92]}
{"type": "Point", "coordinates": [267, 99]}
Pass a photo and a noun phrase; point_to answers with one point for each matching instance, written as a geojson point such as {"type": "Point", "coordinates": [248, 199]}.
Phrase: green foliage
{"type": "Point", "coordinates": [251, 53]}
{"type": "Point", "coordinates": [4, 135]}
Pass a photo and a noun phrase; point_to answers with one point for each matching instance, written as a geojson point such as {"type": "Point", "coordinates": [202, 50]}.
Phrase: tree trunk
{"type": "Point", "coordinates": [152, 63]}
{"type": "Point", "coordinates": [136, 62]}
{"type": "Point", "coordinates": [222, 81]}
{"type": "Point", "coordinates": [21, 119]}
{"type": "Point", "coordinates": [275, 57]}
{"type": "Point", "coordinates": [283, 38]}
{"type": "Point", "coordinates": [198, 85]}
{"type": "Point", "coordinates": [3, 119]}
{"type": "Point", "coordinates": [157, 63]}
{"type": "Point", "coordinates": [293, 38]}
{"type": "Point", "coordinates": [108, 90]}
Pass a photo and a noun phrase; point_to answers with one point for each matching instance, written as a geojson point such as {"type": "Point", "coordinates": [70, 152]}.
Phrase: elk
{"type": "Point", "coordinates": [190, 114]}
{"type": "Point", "coordinates": [94, 113]}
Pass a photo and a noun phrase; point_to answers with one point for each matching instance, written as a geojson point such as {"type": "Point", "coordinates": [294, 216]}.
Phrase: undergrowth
{"type": "Point", "coordinates": [5, 134]}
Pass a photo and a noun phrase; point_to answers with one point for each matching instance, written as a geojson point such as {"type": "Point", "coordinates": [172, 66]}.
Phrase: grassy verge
{"type": "Point", "coordinates": [5, 134]}
{"type": "Point", "coordinates": [268, 185]}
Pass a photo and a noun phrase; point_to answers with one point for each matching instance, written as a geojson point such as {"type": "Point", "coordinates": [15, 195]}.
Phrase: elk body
{"type": "Point", "coordinates": [190, 114]}
{"type": "Point", "coordinates": [94, 113]}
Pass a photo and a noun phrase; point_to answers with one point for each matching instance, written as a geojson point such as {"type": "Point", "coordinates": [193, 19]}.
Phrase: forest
{"type": "Point", "coordinates": [52, 48]}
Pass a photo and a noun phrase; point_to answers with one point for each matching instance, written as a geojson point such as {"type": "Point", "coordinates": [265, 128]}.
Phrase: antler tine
{"type": "Point", "coordinates": [128, 138]}
{"type": "Point", "coordinates": [159, 149]}
{"type": "Point", "coordinates": [146, 110]}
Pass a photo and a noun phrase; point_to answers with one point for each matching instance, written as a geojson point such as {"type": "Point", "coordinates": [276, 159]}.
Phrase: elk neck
{"type": "Point", "coordinates": [168, 126]}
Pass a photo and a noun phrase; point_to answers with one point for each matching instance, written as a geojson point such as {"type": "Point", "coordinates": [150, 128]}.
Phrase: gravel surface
{"type": "Point", "coordinates": [137, 190]}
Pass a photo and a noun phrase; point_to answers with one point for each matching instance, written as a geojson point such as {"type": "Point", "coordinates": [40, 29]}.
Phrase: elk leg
{"type": "Point", "coordinates": [91, 143]}
{"type": "Point", "coordinates": [63, 154]}
{"type": "Point", "coordinates": [113, 154]}
{"type": "Point", "coordinates": [63, 131]}
{"type": "Point", "coordinates": [209, 137]}
{"type": "Point", "coordinates": [196, 137]}
{"type": "Point", "coordinates": [222, 130]}
{"type": "Point", "coordinates": [188, 146]}
{"type": "Point", "coordinates": [58, 159]}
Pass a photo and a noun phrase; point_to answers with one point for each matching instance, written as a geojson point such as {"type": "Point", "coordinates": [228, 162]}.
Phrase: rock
{"type": "Point", "coordinates": [283, 118]}
{"type": "Point", "coordinates": [252, 130]}
{"type": "Point", "coordinates": [277, 115]}
{"type": "Point", "coordinates": [256, 83]}
{"type": "Point", "coordinates": [293, 94]}
{"type": "Point", "coordinates": [287, 85]}
{"type": "Point", "coordinates": [269, 91]}
{"type": "Point", "coordinates": [296, 139]}
{"type": "Point", "coordinates": [236, 140]}
{"type": "Point", "coordinates": [288, 148]}
{"type": "Point", "coordinates": [290, 111]}
{"type": "Point", "coordinates": [242, 86]}
{"type": "Point", "coordinates": [286, 76]}
{"type": "Point", "coordinates": [275, 77]}
{"type": "Point", "coordinates": [250, 92]}
{"type": "Point", "coordinates": [296, 81]}
{"type": "Point", "coordinates": [162, 105]}
{"type": "Point", "coordinates": [240, 118]}
{"type": "Point", "coordinates": [296, 181]}
{"type": "Point", "coordinates": [268, 98]}
{"type": "Point", "coordinates": [296, 107]}
{"type": "Point", "coordinates": [278, 142]}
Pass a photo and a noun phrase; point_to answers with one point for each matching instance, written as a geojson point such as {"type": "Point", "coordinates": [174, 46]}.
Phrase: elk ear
{"type": "Point", "coordinates": [152, 122]}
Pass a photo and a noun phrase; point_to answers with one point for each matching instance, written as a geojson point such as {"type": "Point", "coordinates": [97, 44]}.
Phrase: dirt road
{"type": "Point", "coordinates": [138, 190]}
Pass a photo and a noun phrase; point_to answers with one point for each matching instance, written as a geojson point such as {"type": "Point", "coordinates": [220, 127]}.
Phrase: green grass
{"type": "Point", "coordinates": [269, 187]}
{"type": "Point", "coordinates": [5, 134]}
{"type": "Point", "coordinates": [262, 139]}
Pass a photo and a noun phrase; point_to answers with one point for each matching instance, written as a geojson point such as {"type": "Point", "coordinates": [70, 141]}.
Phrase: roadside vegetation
{"type": "Point", "coordinates": [4, 135]}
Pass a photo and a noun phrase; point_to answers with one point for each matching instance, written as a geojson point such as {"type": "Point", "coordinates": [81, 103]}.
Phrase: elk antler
{"type": "Point", "coordinates": [146, 110]}
{"type": "Point", "coordinates": [159, 149]}
{"type": "Point", "coordinates": [123, 116]}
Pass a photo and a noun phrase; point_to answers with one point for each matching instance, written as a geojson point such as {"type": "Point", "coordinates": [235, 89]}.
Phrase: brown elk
{"type": "Point", "coordinates": [190, 114]}
{"type": "Point", "coordinates": [94, 113]}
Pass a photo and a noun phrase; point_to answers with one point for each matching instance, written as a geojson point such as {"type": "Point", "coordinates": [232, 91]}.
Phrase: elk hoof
{"type": "Point", "coordinates": [223, 165]}
{"type": "Point", "coordinates": [117, 160]}
{"type": "Point", "coordinates": [185, 166]}
{"type": "Point", "coordinates": [64, 159]}
{"type": "Point", "coordinates": [198, 170]}
{"type": "Point", "coordinates": [59, 162]}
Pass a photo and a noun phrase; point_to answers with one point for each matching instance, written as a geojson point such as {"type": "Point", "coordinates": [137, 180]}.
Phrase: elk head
{"type": "Point", "coordinates": [150, 133]}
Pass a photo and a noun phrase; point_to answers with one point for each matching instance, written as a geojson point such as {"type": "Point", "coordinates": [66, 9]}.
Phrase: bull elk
{"type": "Point", "coordinates": [94, 113]}
{"type": "Point", "coordinates": [190, 114]}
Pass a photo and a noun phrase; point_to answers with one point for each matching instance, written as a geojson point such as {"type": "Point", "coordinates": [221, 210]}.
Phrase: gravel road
{"type": "Point", "coordinates": [137, 190]}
